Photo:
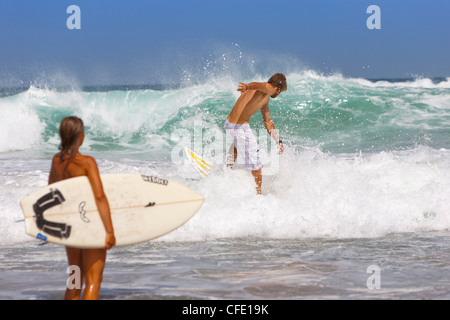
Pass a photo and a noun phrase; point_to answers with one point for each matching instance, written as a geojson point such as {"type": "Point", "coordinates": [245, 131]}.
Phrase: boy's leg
{"type": "Point", "coordinates": [231, 156]}
{"type": "Point", "coordinates": [258, 179]}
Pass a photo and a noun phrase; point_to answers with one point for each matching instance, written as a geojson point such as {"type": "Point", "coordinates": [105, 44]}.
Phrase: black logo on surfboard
{"type": "Point", "coordinates": [47, 201]}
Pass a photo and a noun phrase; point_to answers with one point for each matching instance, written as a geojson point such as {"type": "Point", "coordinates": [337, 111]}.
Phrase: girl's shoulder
{"type": "Point", "coordinates": [85, 160]}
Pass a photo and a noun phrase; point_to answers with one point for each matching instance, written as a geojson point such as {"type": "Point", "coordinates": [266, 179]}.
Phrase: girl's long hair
{"type": "Point", "coordinates": [70, 129]}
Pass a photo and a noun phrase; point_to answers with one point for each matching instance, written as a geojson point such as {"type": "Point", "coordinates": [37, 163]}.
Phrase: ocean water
{"type": "Point", "coordinates": [355, 208]}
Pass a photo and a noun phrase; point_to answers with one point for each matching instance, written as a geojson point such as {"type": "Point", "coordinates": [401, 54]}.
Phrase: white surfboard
{"type": "Point", "coordinates": [200, 165]}
{"type": "Point", "coordinates": [142, 208]}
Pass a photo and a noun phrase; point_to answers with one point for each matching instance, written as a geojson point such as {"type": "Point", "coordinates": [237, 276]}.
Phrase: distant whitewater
{"type": "Point", "coordinates": [362, 158]}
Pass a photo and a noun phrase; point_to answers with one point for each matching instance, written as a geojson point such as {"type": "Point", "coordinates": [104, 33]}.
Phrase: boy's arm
{"type": "Point", "coordinates": [270, 126]}
{"type": "Point", "coordinates": [261, 86]}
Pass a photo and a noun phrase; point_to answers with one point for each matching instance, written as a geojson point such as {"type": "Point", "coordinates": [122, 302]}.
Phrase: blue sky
{"type": "Point", "coordinates": [147, 42]}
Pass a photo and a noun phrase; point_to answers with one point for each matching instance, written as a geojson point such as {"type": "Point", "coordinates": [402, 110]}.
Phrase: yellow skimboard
{"type": "Point", "coordinates": [200, 165]}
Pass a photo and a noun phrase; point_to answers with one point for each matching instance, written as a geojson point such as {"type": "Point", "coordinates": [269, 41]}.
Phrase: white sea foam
{"type": "Point", "coordinates": [313, 194]}
{"type": "Point", "coordinates": [21, 127]}
{"type": "Point", "coordinates": [323, 195]}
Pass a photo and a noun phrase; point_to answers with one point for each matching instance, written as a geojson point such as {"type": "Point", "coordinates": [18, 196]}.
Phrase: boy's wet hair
{"type": "Point", "coordinates": [278, 80]}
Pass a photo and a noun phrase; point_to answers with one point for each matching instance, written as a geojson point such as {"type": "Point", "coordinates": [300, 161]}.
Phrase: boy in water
{"type": "Point", "coordinates": [254, 96]}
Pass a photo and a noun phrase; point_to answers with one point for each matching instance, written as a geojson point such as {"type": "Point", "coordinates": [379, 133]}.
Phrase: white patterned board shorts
{"type": "Point", "coordinates": [245, 142]}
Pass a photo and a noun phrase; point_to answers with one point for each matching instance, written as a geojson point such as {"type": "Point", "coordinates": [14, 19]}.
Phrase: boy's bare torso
{"type": "Point", "coordinates": [247, 105]}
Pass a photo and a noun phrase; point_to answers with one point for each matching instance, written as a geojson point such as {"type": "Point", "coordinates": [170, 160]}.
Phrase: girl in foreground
{"type": "Point", "coordinates": [70, 163]}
